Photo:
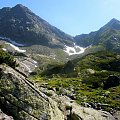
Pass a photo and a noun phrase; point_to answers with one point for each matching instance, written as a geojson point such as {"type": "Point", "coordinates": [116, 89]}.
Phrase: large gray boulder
{"type": "Point", "coordinates": [73, 111]}
{"type": "Point", "coordinates": [20, 98]}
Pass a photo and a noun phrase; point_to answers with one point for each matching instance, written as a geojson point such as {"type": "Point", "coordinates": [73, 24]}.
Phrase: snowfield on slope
{"type": "Point", "coordinates": [13, 44]}
{"type": "Point", "coordinates": [74, 50]}
{"type": "Point", "coordinates": [17, 48]}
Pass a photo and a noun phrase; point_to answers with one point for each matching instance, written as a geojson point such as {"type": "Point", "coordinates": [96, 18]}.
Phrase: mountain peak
{"type": "Point", "coordinates": [112, 22]}
{"type": "Point", "coordinates": [20, 7]}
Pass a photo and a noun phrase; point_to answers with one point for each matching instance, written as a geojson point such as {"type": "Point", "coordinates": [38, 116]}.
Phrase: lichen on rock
{"type": "Point", "coordinates": [22, 100]}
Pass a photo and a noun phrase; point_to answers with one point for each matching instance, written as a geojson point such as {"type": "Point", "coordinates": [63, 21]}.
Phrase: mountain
{"type": "Point", "coordinates": [108, 36]}
{"type": "Point", "coordinates": [24, 27]}
{"type": "Point", "coordinates": [21, 27]}
{"type": "Point", "coordinates": [26, 32]}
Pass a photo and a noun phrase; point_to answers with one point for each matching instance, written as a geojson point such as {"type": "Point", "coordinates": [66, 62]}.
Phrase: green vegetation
{"type": "Point", "coordinates": [93, 78]}
{"type": "Point", "coordinates": [81, 67]}
{"type": "Point", "coordinates": [108, 37]}
{"type": "Point", "coordinates": [7, 59]}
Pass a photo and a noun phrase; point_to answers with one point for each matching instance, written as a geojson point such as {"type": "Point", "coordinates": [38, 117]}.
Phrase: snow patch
{"type": "Point", "coordinates": [13, 44]}
{"type": "Point", "coordinates": [34, 61]}
{"type": "Point", "coordinates": [74, 50]}
{"type": "Point", "coordinates": [114, 38]}
{"type": "Point", "coordinates": [17, 48]}
{"type": "Point", "coordinates": [4, 49]}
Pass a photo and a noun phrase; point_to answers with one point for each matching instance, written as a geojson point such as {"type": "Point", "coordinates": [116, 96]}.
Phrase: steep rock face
{"type": "Point", "coordinates": [24, 27]}
{"type": "Point", "coordinates": [21, 99]}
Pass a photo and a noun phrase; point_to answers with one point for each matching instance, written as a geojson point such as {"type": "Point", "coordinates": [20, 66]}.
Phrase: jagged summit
{"type": "Point", "coordinates": [114, 20]}
{"type": "Point", "coordinates": [18, 6]}
{"type": "Point", "coordinates": [21, 8]}
{"type": "Point", "coordinates": [113, 24]}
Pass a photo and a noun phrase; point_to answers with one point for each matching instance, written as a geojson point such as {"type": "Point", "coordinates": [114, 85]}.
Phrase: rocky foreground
{"type": "Point", "coordinates": [5, 117]}
{"type": "Point", "coordinates": [23, 100]}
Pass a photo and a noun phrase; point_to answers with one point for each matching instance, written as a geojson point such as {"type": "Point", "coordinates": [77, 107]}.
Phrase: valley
{"type": "Point", "coordinates": [46, 74]}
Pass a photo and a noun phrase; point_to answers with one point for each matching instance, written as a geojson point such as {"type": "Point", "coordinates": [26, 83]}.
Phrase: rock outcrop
{"type": "Point", "coordinates": [20, 98]}
{"type": "Point", "coordinates": [73, 111]}
{"type": "Point", "coordinates": [117, 115]}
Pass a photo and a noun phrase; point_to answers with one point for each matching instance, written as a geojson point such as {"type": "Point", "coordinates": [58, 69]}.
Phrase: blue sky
{"type": "Point", "coordinates": [72, 16]}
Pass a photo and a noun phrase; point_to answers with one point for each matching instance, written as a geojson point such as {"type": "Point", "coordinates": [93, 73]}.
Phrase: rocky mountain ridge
{"type": "Point", "coordinates": [107, 36]}
{"type": "Point", "coordinates": [24, 27]}
{"type": "Point", "coordinates": [21, 27]}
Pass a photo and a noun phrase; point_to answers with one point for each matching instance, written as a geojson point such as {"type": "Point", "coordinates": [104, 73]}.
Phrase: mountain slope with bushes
{"type": "Point", "coordinates": [108, 36]}
{"type": "Point", "coordinates": [23, 99]}
{"type": "Point", "coordinates": [94, 78]}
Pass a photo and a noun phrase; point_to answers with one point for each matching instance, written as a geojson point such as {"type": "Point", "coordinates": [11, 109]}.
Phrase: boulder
{"type": "Point", "coordinates": [74, 111]}
{"type": "Point", "coordinates": [117, 115]}
{"type": "Point", "coordinates": [83, 113]}
{"type": "Point", "coordinates": [21, 99]}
